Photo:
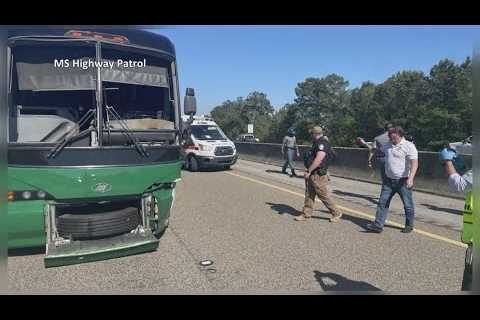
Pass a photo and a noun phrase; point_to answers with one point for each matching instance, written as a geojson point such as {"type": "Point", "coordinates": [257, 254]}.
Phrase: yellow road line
{"type": "Point", "coordinates": [359, 213]}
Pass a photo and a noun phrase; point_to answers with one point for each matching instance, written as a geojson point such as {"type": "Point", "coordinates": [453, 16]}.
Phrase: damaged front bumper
{"type": "Point", "coordinates": [64, 250]}
{"type": "Point", "coordinates": [101, 249]}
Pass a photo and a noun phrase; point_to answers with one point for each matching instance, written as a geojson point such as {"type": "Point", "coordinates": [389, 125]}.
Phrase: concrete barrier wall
{"type": "Point", "coordinates": [352, 163]}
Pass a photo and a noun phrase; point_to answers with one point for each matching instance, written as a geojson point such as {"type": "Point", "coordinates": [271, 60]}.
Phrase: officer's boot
{"type": "Point", "coordinates": [293, 173]}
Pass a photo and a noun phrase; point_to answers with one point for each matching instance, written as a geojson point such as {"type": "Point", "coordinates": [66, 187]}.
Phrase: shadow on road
{"type": "Point", "coordinates": [356, 195]}
{"type": "Point", "coordinates": [299, 174]}
{"type": "Point", "coordinates": [25, 251]}
{"type": "Point", "coordinates": [274, 171]}
{"type": "Point", "coordinates": [361, 222]}
{"type": "Point", "coordinates": [440, 209]}
{"type": "Point", "coordinates": [281, 209]}
{"type": "Point", "coordinates": [284, 209]}
{"type": "Point", "coordinates": [334, 282]}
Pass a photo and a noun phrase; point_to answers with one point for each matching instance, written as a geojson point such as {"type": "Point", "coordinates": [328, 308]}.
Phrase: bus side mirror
{"type": "Point", "coordinates": [190, 102]}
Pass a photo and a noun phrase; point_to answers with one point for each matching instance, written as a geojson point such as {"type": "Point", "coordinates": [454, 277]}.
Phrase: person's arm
{"type": "Point", "coordinates": [296, 147]}
{"type": "Point", "coordinates": [450, 168]}
{"type": "Point", "coordinates": [315, 164]}
{"type": "Point", "coordinates": [371, 149]}
{"type": "Point", "coordinates": [371, 152]}
{"type": "Point", "coordinates": [413, 172]}
{"type": "Point", "coordinates": [413, 158]}
{"type": "Point", "coordinates": [456, 182]}
{"type": "Point", "coordinates": [283, 144]}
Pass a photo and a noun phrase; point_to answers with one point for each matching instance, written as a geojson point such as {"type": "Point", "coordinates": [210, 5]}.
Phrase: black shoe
{"type": "Point", "coordinates": [407, 229]}
{"type": "Point", "coordinates": [284, 171]}
{"type": "Point", "coordinates": [373, 228]}
{"type": "Point", "coordinates": [293, 174]}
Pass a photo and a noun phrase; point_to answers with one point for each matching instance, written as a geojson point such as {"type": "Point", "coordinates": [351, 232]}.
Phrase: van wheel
{"type": "Point", "coordinates": [193, 164]}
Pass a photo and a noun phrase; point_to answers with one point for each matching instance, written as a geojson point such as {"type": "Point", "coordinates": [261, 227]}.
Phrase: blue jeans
{"type": "Point", "coordinates": [389, 188]}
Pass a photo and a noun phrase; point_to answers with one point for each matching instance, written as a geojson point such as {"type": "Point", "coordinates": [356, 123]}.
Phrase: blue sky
{"type": "Point", "coordinates": [225, 62]}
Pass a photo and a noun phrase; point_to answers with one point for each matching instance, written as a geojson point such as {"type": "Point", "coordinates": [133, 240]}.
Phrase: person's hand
{"type": "Point", "coordinates": [360, 141]}
{"type": "Point", "coordinates": [409, 183]}
{"type": "Point", "coordinates": [447, 154]}
{"type": "Point", "coordinates": [298, 154]}
{"type": "Point", "coordinates": [306, 175]}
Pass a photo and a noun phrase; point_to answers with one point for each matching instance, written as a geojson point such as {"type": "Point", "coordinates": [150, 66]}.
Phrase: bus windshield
{"type": "Point", "coordinates": [51, 91]}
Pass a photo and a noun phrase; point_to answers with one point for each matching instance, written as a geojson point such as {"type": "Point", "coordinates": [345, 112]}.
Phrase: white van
{"type": "Point", "coordinates": [463, 147]}
{"type": "Point", "coordinates": [207, 145]}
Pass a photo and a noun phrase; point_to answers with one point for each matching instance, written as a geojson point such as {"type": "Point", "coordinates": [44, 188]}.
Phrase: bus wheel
{"type": "Point", "coordinates": [192, 164]}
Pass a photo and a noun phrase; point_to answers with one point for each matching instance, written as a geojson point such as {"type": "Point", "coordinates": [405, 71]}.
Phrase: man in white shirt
{"type": "Point", "coordinates": [401, 164]}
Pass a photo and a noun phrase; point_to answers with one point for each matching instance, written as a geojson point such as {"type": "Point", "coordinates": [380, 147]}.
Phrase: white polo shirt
{"type": "Point", "coordinates": [397, 158]}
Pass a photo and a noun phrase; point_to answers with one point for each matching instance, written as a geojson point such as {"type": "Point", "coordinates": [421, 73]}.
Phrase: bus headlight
{"type": "Point", "coordinates": [26, 195]}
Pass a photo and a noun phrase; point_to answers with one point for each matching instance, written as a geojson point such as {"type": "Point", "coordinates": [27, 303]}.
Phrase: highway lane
{"type": "Point", "coordinates": [433, 209]}
{"type": "Point", "coordinates": [242, 220]}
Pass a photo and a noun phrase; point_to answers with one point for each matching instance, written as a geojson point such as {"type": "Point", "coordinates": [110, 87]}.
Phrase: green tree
{"type": "Point", "coordinates": [403, 99]}
{"type": "Point", "coordinates": [260, 101]}
{"type": "Point", "coordinates": [233, 116]}
{"type": "Point", "coordinates": [321, 101]}
{"type": "Point", "coordinates": [434, 108]}
{"type": "Point", "coordinates": [229, 117]}
{"type": "Point", "coordinates": [451, 102]}
{"type": "Point", "coordinates": [366, 114]}
{"type": "Point", "coordinates": [282, 120]}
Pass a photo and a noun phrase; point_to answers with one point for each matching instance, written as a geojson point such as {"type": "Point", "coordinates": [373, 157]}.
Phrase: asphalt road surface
{"type": "Point", "coordinates": [242, 220]}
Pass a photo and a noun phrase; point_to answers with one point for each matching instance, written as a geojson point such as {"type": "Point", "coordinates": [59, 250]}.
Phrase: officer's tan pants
{"type": "Point", "coordinates": [317, 186]}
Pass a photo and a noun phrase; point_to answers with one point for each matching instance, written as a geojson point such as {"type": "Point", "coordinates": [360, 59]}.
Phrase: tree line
{"type": "Point", "coordinates": [434, 109]}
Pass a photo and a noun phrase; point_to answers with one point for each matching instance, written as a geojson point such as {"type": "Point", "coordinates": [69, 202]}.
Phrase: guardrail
{"type": "Point", "coordinates": [352, 164]}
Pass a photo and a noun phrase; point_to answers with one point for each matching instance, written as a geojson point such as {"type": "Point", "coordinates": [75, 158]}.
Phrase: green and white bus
{"type": "Point", "coordinates": [94, 132]}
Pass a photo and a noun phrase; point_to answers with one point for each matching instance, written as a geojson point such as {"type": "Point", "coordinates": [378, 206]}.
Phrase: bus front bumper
{"type": "Point", "coordinates": [101, 249]}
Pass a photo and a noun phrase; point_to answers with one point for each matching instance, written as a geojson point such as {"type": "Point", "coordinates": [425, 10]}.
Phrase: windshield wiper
{"type": "Point", "coordinates": [126, 131]}
{"type": "Point", "coordinates": [71, 136]}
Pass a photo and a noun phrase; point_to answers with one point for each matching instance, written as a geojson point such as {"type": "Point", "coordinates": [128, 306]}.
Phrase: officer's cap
{"type": "Point", "coordinates": [316, 130]}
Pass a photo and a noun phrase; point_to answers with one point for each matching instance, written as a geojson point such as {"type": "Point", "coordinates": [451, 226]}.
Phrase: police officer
{"type": "Point", "coordinates": [316, 179]}
{"type": "Point", "coordinates": [462, 183]}
{"type": "Point", "coordinates": [290, 146]}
